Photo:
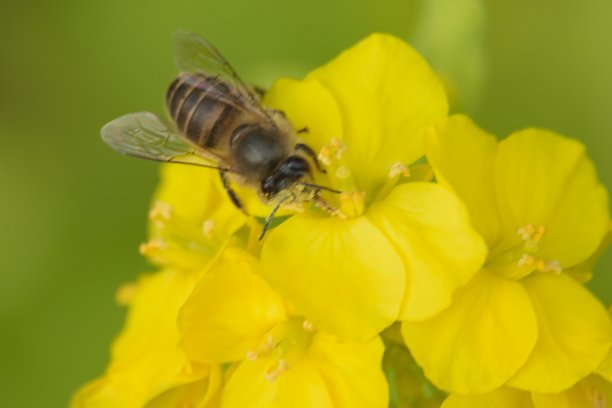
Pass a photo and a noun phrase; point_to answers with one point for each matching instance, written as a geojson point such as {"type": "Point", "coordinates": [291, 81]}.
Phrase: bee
{"type": "Point", "coordinates": [220, 123]}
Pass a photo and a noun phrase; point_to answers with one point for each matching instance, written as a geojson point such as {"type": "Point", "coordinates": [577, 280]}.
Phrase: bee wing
{"type": "Point", "coordinates": [194, 54]}
{"type": "Point", "coordinates": [144, 135]}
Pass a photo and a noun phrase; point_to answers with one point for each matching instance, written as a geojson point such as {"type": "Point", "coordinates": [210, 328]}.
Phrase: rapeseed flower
{"type": "Point", "coordinates": [590, 392]}
{"type": "Point", "coordinates": [479, 267]}
{"type": "Point", "coordinates": [401, 248]}
{"type": "Point", "coordinates": [274, 357]}
{"type": "Point", "coordinates": [147, 365]}
{"type": "Point", "coordinates": [522, 320]}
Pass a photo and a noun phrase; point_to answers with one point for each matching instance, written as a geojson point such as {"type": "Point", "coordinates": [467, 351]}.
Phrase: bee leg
{"type": "Point", "coordinates": [303, 130]}
{"type": "Point", "coordinates": [231, 193]}
{"type": "Point", "coordinates": [321, 203]}
{"type": "Point", "coordinates": [310, 153]}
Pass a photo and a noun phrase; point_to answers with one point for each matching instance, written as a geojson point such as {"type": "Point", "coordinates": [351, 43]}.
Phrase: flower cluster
{"type": "Point", "coordinates": [456, 279]}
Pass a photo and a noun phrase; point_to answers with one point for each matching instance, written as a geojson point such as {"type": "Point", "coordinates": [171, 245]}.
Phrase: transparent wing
{"type": "Point", "coordinates": [194, 54]}
{"type": "Point", "coordinates": [144, 135]}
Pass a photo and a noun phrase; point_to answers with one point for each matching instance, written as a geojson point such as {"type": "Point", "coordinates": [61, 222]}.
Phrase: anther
{"type": "Point", "coordinates": [252, 355]}
{"type": "Point", "coordinates": [338, 147]}
{"type": "Point", "coordinates": [531, 233]}
{"type": "Point", "coordinates": [308, 326]}
{"type": "Point", "coordinates": [399, 169]}
{"type": "Point", "coordinates": [160, 211]}
{"type": "Point", "coordinates": [156, 243]}
{"type": "Point", "coordinates": [325, 156]}
{"type": "Point", "coordinates": [125, 294]}
{"type": "Point", "coordinates": [343, 172]}
{"type": "Point", "coordinates": [207, 228]}
{"type": "Point", "coordinates": [526, 260]}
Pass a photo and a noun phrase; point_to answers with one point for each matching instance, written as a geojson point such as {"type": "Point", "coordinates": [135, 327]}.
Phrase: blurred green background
{"type": "Point", "coordinates": [73, 212]}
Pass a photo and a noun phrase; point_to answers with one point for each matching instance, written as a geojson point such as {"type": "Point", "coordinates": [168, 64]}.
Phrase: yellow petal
{"type": "Point", "coordinates": [330, 374]}
{"type": "Point", "coordinates": [430, 229]}
{"type": "Point", "coordinates": [463, 158]}
{"type": "Point", "coordinates": [592, 392]}
{"type": "Point", "coordinates": [545, 179]}
{"type": "Point", "coordinates": [146, 360]}
{"type": "Point", "coordinates": [343, 275]}
{"type": "Point", "coordinates": [574, 334]}
{"type": "Point", "coordinates": [200, 394]}
{"type": "Point", "coordinates": [503, 397]}
{"type": "Point", "coordinates": [352, 371]}
{"type": "Point", "coordinates": [307, 104]}
{"type": "Point", "coordinates": [480, 341]}
{"type": "Point", "coordinates": [388, 96]}
{"type": "Point", "coordinates": [605, 368]}
{"type": "Point", "coordinates": [300, 386]}
{"type": "Point", "coordinates": [196, 195]}
{"type": "Point", "coordinates": [229, 311]}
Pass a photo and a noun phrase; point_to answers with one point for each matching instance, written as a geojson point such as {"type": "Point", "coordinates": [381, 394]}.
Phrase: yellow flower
{"type": "Point", "coordinates": [190, 219]}
{"type": "Point", "coordinates": [521, 321]}
{"type": "Point", "coordinates": [402, 248]}
{"type": "Point", "coordinates": [591, 392]}
{"type": "Point", "coordinates": [277, 358]}
{"type": "Point", "coordinates": [147, 365]}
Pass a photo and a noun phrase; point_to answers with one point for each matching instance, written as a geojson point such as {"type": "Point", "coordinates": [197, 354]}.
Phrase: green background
{"type": "Point", "coordinates": [72, 212]}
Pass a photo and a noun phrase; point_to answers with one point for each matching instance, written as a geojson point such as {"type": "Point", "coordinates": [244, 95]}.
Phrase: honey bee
{"type": "Point", "coordinates": [220, 123]}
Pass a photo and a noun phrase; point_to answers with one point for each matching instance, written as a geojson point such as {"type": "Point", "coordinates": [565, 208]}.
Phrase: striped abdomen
{"type": "Point", "coordinates": [193, 102]}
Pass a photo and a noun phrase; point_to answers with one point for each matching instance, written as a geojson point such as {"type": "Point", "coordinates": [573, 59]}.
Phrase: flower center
{"type": "Point", "coordinates": [516, 256]}
{"type": "Point", "coordinates": [178, 241]}
{"type": "Point", "coordinates": [352, 201]}
{"type": "Point", "coordinates": [283, 346]}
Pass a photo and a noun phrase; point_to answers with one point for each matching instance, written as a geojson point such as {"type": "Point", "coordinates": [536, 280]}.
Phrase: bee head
{"type": "Point", "coordinates": [289, 172]}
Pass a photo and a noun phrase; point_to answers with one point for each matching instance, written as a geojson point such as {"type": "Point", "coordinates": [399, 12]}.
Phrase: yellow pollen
{"type": "Point", "coordinates": [207, 228]}
{"type": "Point", "coordinates": [338, 147]}
{"type": "Point", "coordinates": [156, 243]}
{"type": "Point", "coordinates": [283, 366]}
{"type": "Point", "coordinates": [271, 375]}
{"type": "Point", "coordinates": [160, 211]}
{"type": "Point", "coordinates": [532, 233]}
{"type": "Point", "coordinates": [399, 169]}
{"type": "Point", "coordinates": [325, 156]}
{"type": "Point", "coordinates": [308, 326]}
{"type": "Point", "coordinates": [125, 294]}
{"type": "Point", "coordinates": [540, 265]}
{"type": "Point", "coordinates": [526, 260]}
{"type": "Point", "coordinates": [343, 172]}
{"type": "Point", "coordinates": [252, 355]}
{"type": "Point", "coordinates": [274, 371]}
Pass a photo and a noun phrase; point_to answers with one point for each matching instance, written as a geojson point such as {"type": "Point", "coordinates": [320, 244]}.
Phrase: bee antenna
{"type": "Point", "coordinates": [319, 187]}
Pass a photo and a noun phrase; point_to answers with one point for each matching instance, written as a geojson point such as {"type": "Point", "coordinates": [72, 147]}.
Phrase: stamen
{"type": "Point", "coordinates": [533, 233]}
{"type": "Point", "coordinates": [272, 374]}
{"type": "Point", "coordinates": [308, 326]}
{"type": "Point", "coordinates": [160, 211]}
{"type": "Point", "coordinates": [352, 203]}
{"type": "Point", "coordinates": [154, 244]}
{"type": "Point", "coordinates": [207, 228]}
{"type": "Point", "coordinates": [325, 156]}
{"type": "Point", "coordinates": [252, 355]}
{"type": "Point", "coordinates": [343, 172]}
{"type": "Point", "coordinates": [125, 294]}
{"type": "Point", "coordinates": [338, 147]}
{"type": "Point", "coordinates": [526, 260]}
{"type": "Point", "coordinates": [399, 169]}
